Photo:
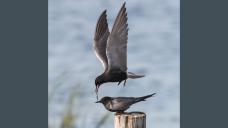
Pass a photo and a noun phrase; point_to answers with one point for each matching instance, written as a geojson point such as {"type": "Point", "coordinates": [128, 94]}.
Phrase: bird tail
{"type": "Point", "coordinates": [138, 99]}
{"type": "Point", "coordinates": [133, 75]}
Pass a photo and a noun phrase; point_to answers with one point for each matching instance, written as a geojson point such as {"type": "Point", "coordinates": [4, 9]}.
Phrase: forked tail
{"type": "Point", "coordinates": [133, 75]}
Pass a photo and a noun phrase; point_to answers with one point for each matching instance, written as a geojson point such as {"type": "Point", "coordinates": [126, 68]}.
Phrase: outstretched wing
{"type": "Point", "coordinates": [117, 42]}
{"type": "Point", "coordinates": [100, 39]}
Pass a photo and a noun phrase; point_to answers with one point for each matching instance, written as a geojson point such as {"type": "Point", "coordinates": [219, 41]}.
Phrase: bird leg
{"type": "Point", "coordinates": [125, 82]}
{"type": "Point", "coordinates": [119, 112]}
{"type": "Point", "coordinates": [119, 82]}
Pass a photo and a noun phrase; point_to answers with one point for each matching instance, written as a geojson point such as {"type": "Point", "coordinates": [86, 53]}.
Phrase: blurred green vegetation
{"type": "Point", "coordinates": [69, 118]}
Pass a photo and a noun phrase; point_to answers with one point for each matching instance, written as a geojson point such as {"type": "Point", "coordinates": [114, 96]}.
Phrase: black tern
{"type": "Point", "coordinates": [121, 104]}
{"type": "Point", "coordinates": [111, 49]}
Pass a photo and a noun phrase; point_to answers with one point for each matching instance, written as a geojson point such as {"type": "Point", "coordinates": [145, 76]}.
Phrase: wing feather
{"type": "Point", "coordinates": [100, 39]}
{"type": "Point", "coordinates": [122, 103]}
{"type": "Point", "coordinates": [117, 42]}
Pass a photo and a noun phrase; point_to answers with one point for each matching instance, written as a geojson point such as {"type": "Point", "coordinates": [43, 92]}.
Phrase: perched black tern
{"type": "Point", "coordinates": [121, 104]}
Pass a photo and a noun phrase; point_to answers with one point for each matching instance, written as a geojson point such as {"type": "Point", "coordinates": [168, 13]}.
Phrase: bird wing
{"type": "Point", "coordinates": [122, 103]}
{"type": "Point", "coordinates": [117, 42]}
{"type": "Point", "coordinates": [100, 39]}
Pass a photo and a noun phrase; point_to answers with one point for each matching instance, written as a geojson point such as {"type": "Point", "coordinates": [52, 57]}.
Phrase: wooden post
{"type": "Point", "coordinates": [130, 120]}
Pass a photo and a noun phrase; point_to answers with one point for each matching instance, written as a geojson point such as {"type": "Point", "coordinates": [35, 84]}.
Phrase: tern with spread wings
{"type": "Point", "coordinates": [111, 49]}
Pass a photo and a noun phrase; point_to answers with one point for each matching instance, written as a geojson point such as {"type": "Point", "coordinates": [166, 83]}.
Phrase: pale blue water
{"type": "Point", "coordinates": [153, 49]}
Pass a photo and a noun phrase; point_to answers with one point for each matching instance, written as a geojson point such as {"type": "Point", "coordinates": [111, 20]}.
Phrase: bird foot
{"type": "Point", "coordinates": [119, 112]}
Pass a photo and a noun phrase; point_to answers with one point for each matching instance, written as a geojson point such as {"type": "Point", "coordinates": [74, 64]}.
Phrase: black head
{"type": "Point", "coordinates": [104, 100]}
{"type": "Point", "coordinates": [98, 81]}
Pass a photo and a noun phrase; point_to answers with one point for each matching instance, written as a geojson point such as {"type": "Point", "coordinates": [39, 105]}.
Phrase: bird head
{"type": "Point", "coordinates": [98, 82]}
{"type": "Point", "coordinates": [104, 100]}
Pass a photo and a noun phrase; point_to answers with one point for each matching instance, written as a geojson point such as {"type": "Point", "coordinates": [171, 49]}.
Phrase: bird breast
{"type": "Point", "coordinates": [108, 105]}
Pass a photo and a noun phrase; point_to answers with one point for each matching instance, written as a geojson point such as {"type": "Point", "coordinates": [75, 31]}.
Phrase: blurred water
{"type": "Point", "coordinates": [153, 49]}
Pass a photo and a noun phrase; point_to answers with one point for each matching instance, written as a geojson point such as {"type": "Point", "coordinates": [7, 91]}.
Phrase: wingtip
{"type": "Point", "coordinates": [101, 25]}
{"type": "Point", "coordinates": [153, 94]}
{"type": "Point", "coordinates": [124, 3]}
{"type": "Point", "coordinates": [104, 12]}
{"type": "Point", "coordinates": [143, 98]}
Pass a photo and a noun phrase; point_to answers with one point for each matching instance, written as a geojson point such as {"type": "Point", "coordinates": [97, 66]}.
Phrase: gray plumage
{"type": "Point", "coordinates": [111, 49]}
{"type": "Point", "coordinates": [117, 42]}
{"type": "Point", "coordinates": [121, 104]}
{"type": "Point", "coordinates": [100, 39]}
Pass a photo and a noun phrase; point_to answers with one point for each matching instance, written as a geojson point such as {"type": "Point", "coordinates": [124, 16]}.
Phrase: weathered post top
{"type": "Point", "coordinates": [130, 120]}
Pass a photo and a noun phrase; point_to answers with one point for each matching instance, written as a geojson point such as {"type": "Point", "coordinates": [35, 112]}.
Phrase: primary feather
{"type": "Point", "coordinates": [100, 39]}
{"type": "Point", "coordinates": [117, 42]}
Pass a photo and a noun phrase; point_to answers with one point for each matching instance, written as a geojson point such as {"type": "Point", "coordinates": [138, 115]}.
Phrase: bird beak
{"type": "Point", "coordinates": [97, 87]}
{"type": "Point", "coordinates": [98, 102]}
